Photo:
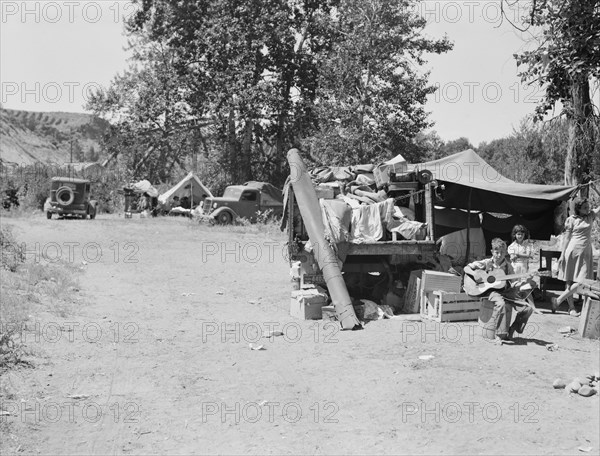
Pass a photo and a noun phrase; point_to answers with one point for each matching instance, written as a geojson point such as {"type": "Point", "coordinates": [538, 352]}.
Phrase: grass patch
{"type": "Point", "coordinates": [26, 288]}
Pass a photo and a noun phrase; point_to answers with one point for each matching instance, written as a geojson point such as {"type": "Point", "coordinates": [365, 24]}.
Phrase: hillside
{"type": "Point", "coordinates": [28, 137]}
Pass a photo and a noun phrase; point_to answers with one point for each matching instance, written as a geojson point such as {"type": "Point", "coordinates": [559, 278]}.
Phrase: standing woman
{"type": "Point", "coordinates": [576, 262]}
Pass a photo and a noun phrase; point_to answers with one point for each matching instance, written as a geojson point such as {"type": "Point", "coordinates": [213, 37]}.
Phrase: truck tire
{"type": "Point", "coordinates": [48, 215]}
{"type": "Point", "coordinates": [224, 218]}
{"type": "Point", "coordinates": [65, 196]}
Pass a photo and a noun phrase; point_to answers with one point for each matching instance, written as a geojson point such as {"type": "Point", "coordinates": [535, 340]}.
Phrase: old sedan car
{"type": "Point", "coordinates": [70, 196]}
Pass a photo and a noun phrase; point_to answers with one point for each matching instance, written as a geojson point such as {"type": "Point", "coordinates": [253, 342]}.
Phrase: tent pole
{"type": "Point", "coordinates": [467, 250]}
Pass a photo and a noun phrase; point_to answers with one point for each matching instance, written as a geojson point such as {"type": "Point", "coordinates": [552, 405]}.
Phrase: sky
{"type": "Point", "coordinates": [52, 53]}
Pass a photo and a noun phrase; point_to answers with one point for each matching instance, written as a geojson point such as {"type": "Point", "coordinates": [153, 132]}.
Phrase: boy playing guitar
{"type": "Point", "coordinates": [502, 309]}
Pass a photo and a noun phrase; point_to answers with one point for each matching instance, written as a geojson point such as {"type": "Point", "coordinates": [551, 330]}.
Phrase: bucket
{"type": "Point", "coordinates": [487, 321]}
{"type": "Point", "coordinates": [296, 275]}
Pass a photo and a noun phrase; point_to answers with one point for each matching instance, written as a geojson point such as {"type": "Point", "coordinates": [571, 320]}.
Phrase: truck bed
{"type": "Point", "coordinates": [410, 247]}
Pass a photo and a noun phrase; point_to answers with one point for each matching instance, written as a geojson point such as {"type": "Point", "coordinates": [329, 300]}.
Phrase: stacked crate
{"type": "Point", "coordinates": [437, 296]}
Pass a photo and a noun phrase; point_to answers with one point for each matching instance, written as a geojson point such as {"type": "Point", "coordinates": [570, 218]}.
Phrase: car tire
{"type": "Point", "coordinates": [224, 218]}
{"type": "Point", "coordinates": [65, 196]}
{"type": "Point", "coordinates": [48, 215]}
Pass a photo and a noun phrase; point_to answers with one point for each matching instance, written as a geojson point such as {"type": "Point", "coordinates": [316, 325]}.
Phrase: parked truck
{"type": "Point", "coordinates": [250, 200]}
{"type": "Point", "coordinates": [371, 269]}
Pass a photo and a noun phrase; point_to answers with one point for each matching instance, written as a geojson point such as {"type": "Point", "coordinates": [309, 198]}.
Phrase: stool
{"type": "Point", "coordinates": [549, 283]}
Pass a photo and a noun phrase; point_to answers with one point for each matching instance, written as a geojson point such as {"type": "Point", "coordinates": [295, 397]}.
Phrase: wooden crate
{"type": "Point", "coordinates": [412, 297]}
{"type": "Point", "coordinates": [435, 280]}
{"type": "Point", "coordinates": [442, 306]}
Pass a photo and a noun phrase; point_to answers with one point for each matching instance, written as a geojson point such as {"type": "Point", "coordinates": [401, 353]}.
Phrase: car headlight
{"type": "Point", "coordinates": [214, 205]}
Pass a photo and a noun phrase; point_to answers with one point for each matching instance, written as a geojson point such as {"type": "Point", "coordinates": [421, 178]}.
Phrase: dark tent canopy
{"type": "Point", "coordinates": [471, 183]}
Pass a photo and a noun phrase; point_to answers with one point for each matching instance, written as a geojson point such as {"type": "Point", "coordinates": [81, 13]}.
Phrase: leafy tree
{"type": "Point", "coordinates": [91, 155]}
{"type": "Point", "coordinates": [272, 74]}
{"type": "Point", "coordinates": [533, 153]}
{"type": "Point", "coordinates": [146, 106]}
{"type": "Point", "coordinates": [371, 95]}
{"type": "Point", "coordinates": [77, 151]}
{"type": "Point", "coordinates": [250, 66]}
{"type": "Point", "coordinates": [565, 62]}
{"type": "Point", "coordinates": [454, 146]}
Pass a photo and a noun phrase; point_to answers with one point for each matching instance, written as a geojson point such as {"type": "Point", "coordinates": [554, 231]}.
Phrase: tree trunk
{"type": "Point", "coordinates": [246, 153]}
{"type": "Point", "coordinates": [232, 152]}
{"type": "Point", "coordinates": [582, 137]}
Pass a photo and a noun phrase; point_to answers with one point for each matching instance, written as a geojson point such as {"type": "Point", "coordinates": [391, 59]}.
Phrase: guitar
{"type": "Point", "coordinates": [479, 281]}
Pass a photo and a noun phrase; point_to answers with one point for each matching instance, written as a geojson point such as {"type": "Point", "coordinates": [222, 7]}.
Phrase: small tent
{"type": "Point", "coordinates": [189, 186]}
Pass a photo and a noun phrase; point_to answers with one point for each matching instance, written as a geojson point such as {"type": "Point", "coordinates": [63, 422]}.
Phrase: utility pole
{"type": "Point", "coordinates": [71, 161]}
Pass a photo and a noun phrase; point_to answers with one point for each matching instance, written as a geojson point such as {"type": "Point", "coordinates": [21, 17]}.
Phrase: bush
{"type": "Point", "coordinates": [12, 253]}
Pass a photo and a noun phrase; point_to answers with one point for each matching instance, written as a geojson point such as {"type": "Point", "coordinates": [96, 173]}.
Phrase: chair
{"type": "Point", "coordinates": [549, 283]}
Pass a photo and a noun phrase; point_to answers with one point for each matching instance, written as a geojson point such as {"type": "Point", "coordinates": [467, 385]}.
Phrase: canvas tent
{"type": "Point", "coordinates": [471, 184]}
{"type": "Point", "coordinates": [189, 186]}
{"type": "Point", "coordinates": [142, 187]}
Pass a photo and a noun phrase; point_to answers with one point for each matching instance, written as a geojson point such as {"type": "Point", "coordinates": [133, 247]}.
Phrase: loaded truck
{"type": "Point", "coordinates": [374, 264]}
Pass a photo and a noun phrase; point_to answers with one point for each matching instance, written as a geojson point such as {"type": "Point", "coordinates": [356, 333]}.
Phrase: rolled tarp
{"type": "Point", "coordinates": [308, 203]}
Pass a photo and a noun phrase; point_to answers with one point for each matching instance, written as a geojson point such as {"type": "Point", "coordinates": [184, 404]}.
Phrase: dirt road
{"type": "Point", "coordinates": [156, 359]}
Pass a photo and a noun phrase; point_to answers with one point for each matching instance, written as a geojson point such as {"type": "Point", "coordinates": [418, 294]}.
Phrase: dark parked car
{"type": "Point", "coordinates": [70, 196]}
{"type": "Point", "coordinates": [248, 200]}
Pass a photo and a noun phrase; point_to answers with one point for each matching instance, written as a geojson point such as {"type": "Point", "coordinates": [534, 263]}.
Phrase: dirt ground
{"type": "Point", "coordinates": [156, 359]}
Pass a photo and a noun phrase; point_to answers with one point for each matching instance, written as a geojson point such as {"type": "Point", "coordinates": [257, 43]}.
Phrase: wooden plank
{"type": "Point", "coordinates": [435, 280]}
{"type": "Point", "coordinates": [442, 306]}
{"type": "Point", "coordinates": [403, 248]}
{"type": "Point", "coordinates": [462, 316]}
{"type": "Point", "coordinates": [429, 213]}
{"type": "Point", "coordinates": [402, 186]}
{"type": "Point", "coordinates": [460, 306]}
{"type": "Point", "coordinates": [412, 300]}
{"type": "Point", "coordinates": [589, 321]}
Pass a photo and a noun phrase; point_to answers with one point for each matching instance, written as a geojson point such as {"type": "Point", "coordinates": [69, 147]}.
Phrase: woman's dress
{"type": "Point", "coordinates": [577, 261]}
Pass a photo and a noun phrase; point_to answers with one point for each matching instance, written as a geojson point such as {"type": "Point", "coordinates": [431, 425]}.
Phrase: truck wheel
{"type": "Point", "coordinates": [48, 215]}
{"type": "Point", "coordinates": [224, 218]}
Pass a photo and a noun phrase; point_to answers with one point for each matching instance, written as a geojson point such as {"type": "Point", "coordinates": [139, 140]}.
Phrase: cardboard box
{"type": "Point", "coordinates": [307, 304]}
{"type": "Point", "coordinates": [442, 306]}
{"type": "Point", "coordinates": [325, 191]}
{"type": "Point", "coordinates": [589, 321]}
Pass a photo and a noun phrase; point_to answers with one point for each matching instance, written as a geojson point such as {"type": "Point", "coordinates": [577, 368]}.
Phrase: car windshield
{"type": "Point", "coordinates": [232, 192]}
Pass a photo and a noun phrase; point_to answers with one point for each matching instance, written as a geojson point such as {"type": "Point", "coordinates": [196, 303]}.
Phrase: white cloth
{"type": "Point", "coordinates": [368, 221]}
